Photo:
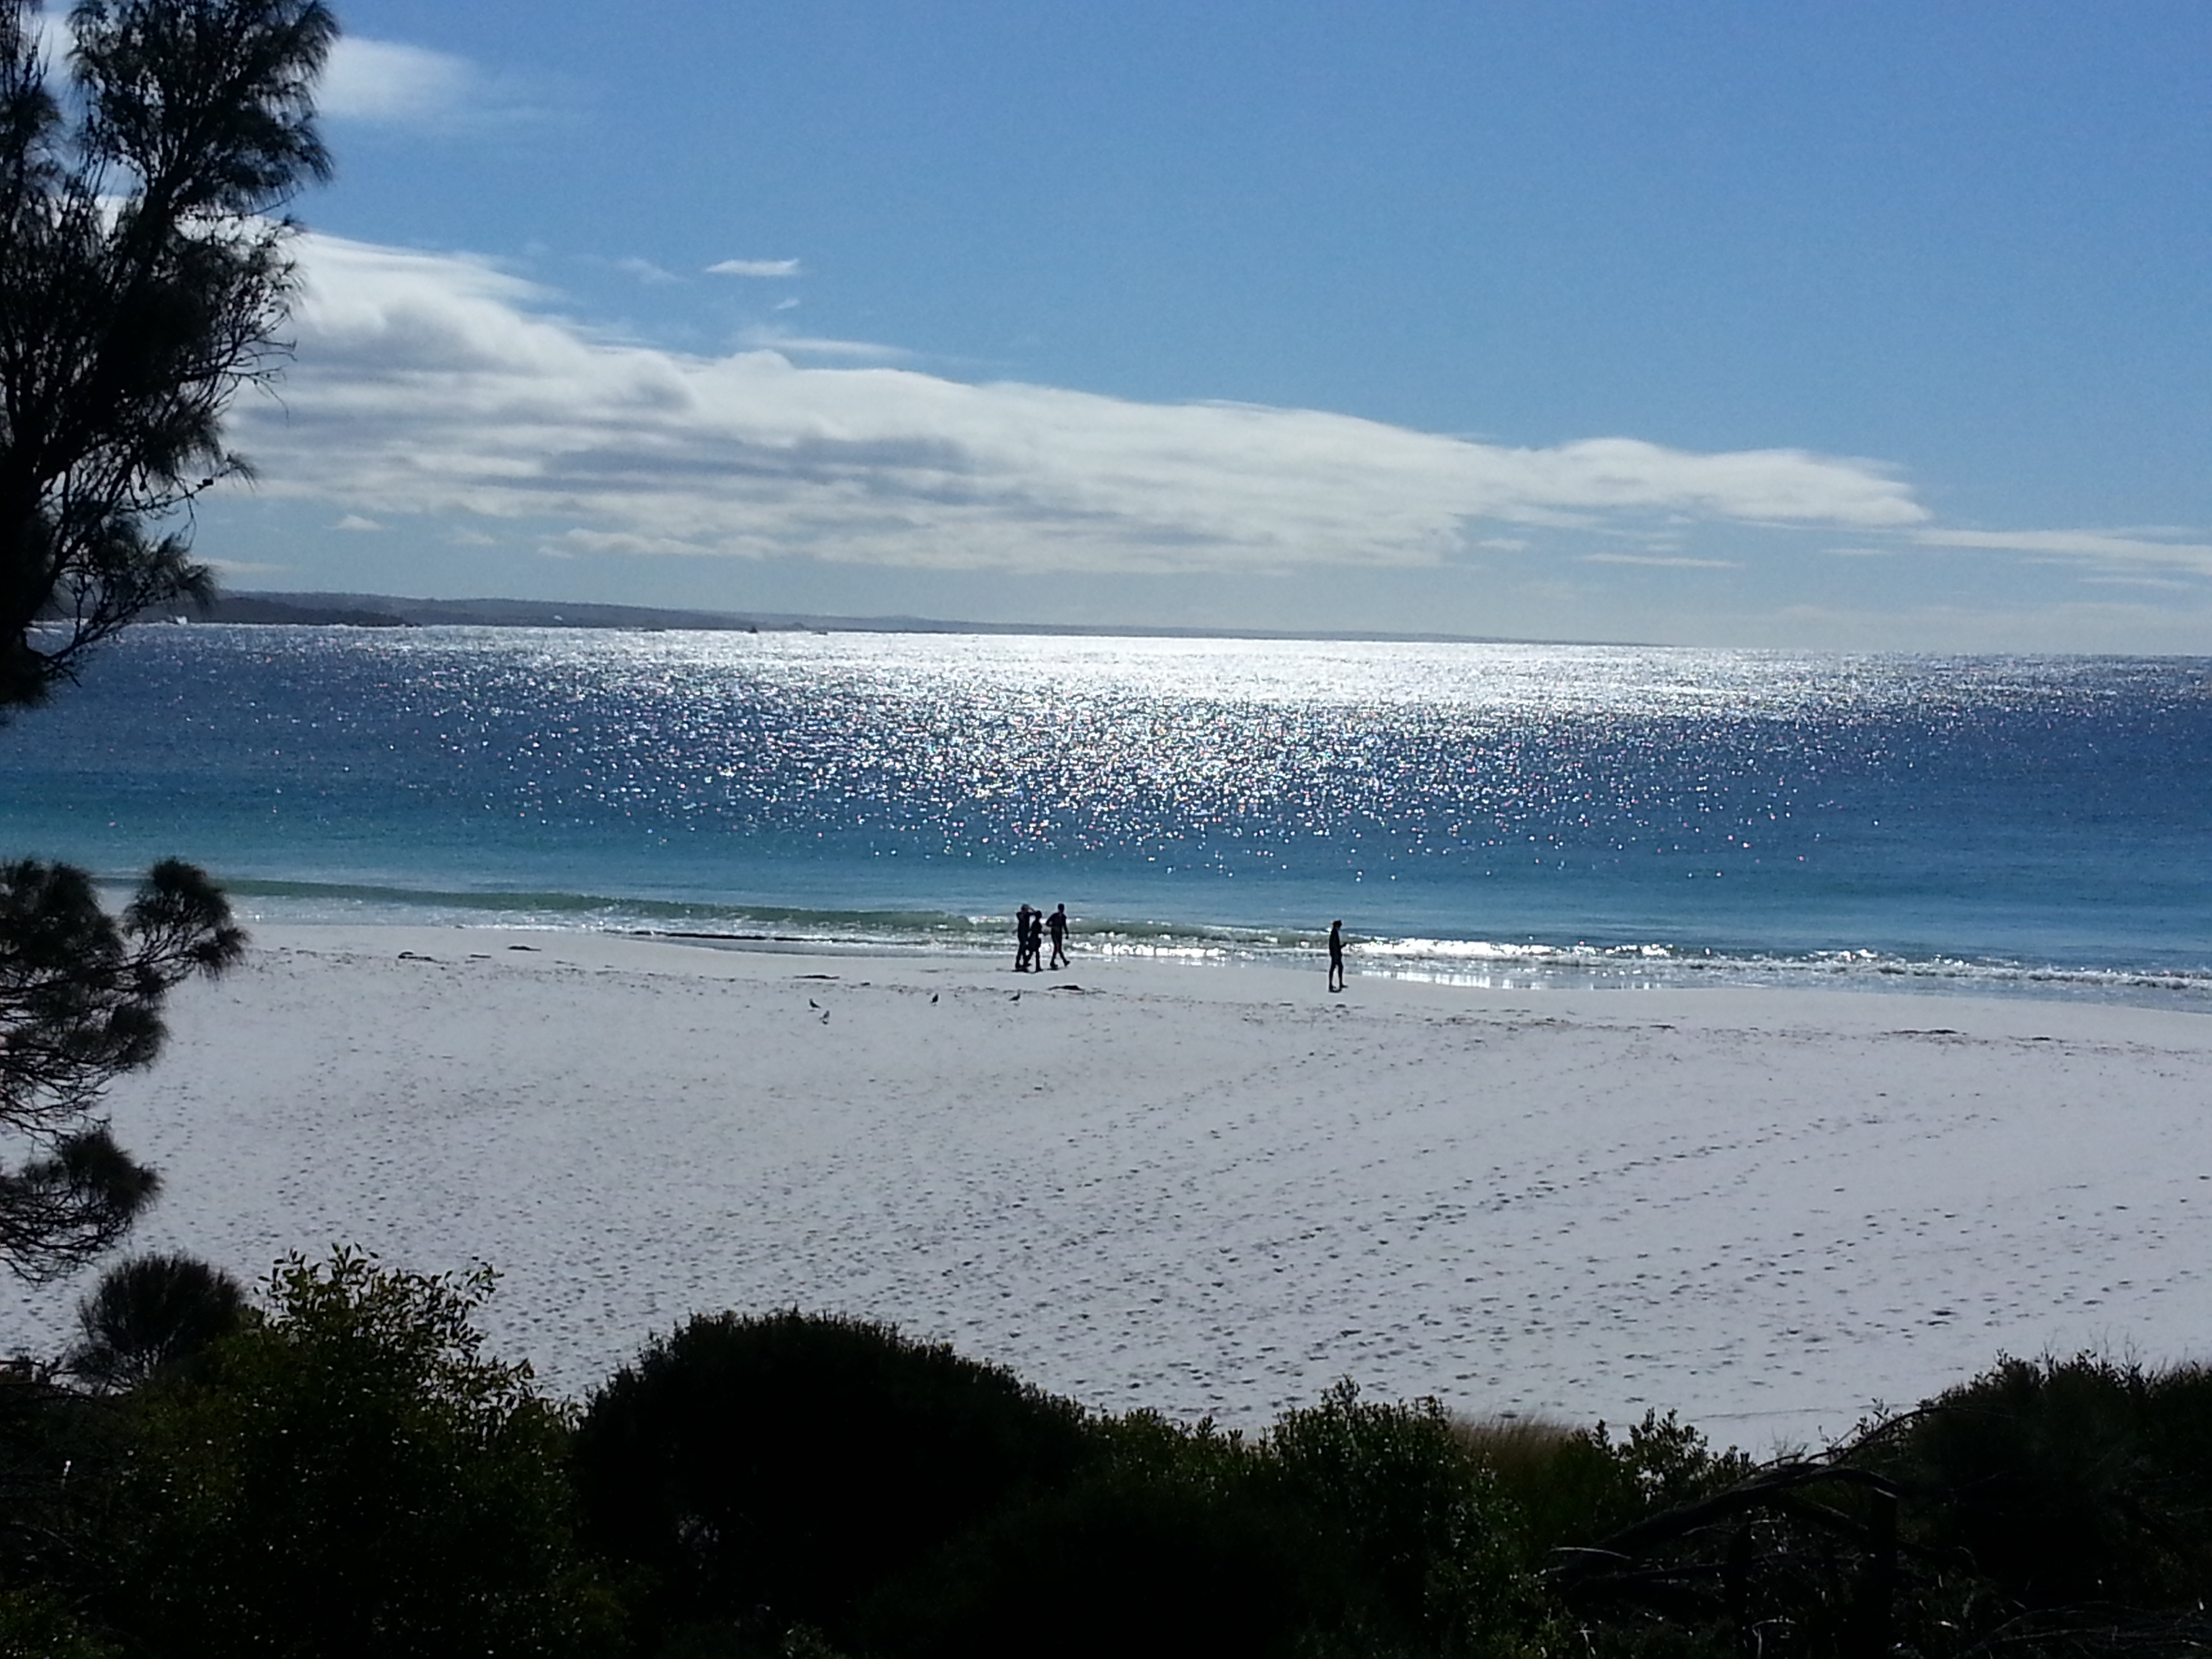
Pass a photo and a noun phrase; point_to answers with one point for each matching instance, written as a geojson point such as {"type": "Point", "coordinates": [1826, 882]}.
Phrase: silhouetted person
{"type": "Point", "coordinates": [1022, 946]}
{"type": "Point", "coordinates": [1056, 925]}
{"type": "Point", "coordinates": [1336, 955]}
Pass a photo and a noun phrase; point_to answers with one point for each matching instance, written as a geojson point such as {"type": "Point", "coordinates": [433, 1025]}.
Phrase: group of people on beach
{"type": "Point", "coordinates": [1030, 928]}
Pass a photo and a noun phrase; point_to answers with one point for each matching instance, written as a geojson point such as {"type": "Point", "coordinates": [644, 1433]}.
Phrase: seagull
{"type": "Point", "coordinates": [1017, 996]}
{"type": "Point", "coordinates": [812, 1003]}
{"type": "Point", "coordinates": [932, 996]}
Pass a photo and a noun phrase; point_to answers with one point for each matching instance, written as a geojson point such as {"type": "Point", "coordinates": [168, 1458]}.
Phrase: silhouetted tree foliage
{"type": "Point", "coordinates": [349, 1475]}
{"type": "Point", "coordinates": [57, 1446]}
{"type": "Point", "coordinates": [81, 996]}
{"type": "Point", "coordinates": [2070, 1482]}
{"type": "Point", "coordinates": [142, 281]}
{"type": "Point", "coordinates": [1422, 1539]}
{"type": "Point", "coordinates": [151, 1315]}
{"type": "Point", "coordinates": [346, 1473]}
{"type": "Point", "coordinates": [1351, 1527]}
{"type": "Point", "coordinates": [1168, 1554]}
{"type": "Point", "coordinates": [789, 1464]}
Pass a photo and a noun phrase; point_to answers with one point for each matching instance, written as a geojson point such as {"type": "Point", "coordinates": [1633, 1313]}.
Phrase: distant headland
{"type": "Point", "coordinates": [387, 610]}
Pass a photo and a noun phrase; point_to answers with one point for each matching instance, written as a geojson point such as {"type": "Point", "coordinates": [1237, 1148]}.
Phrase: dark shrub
{"type": "Point", "coordinates": [2065, 1481]}
{"type": "Point", "coordinates": [59, 1451]}
{"type": "Point", "coordinates": [348, 1475]}
{"type": "Point", "coordinates": [152, 1314]}
{"type": "Point", "coordinates": [1349, 1529]}
{"type": "Point", "coordinates": [1395, 1496]}
{"type": "Point", "coordinates": [1572, 1488]}
{"type": "Point", "coordinates": [790, 1464]}
{"type": "Point", "coordinates": [37, 1626]}
{"type": "Point", "coordinates": [1166, 1547]}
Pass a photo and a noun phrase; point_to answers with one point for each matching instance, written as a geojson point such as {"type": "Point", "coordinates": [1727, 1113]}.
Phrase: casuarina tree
{"type": "Point", "coordinates": [144, 279]}
{"type": "Point", "coordinates": [81, 996]}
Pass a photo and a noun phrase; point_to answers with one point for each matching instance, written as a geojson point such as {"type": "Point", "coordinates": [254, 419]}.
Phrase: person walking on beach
{"type": "Point", "coordinates": [1056, 924]}
{"type": "Point", "coordinates": [1036, 941]}
{"type": "Point", "coordinates": [1022, 948]}
{"type": "Point", "coordinates": [1336, 955]}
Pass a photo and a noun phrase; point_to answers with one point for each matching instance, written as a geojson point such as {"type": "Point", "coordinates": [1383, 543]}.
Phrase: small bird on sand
{"type": "Point", "coordinates": [932, 996]}
{"type": "Point", "coordinates": [1017, 996]}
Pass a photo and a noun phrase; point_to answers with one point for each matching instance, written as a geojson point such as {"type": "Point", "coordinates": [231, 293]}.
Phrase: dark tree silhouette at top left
{"type": "Point", "coordinates": [145, 278]}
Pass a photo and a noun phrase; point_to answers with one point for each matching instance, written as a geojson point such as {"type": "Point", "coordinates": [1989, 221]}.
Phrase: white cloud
{"type": "Point", "coordinates": [2101, 545]}
{"type": "Point", "coordinates": [2165, 584]}
{"type": "Point", "coordinates": [392, 82]}
{"type": "Point", "coordinates": [645, 270]}
{"type": "Point", "coordinates": [808, 345]}
{"type": "Point", "coordinates": [440, 384]}
{"type": "Point", "coordinates": [356, 522]}
{"type": "Point", "coordinates": [755, 268]}
{"type": "Point", "coordinates": [1661, 560]}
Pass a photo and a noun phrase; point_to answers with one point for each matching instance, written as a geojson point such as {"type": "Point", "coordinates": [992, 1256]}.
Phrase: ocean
{"type": "Point", "coordinates": [1499, 814]}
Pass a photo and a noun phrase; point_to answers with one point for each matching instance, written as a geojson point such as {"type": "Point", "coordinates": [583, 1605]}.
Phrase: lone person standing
{"type": "Point", "coordinates": [1336, 955]}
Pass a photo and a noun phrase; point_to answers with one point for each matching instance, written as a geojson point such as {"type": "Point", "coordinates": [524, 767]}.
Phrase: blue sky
{"type": "Point", "coordinates": [1864, 325]}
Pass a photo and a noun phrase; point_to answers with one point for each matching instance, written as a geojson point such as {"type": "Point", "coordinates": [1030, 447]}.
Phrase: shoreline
{"type": "Point", "coordinates": [1767, 1208]}
{"type": "Point", "coordinates": [1469, 963]}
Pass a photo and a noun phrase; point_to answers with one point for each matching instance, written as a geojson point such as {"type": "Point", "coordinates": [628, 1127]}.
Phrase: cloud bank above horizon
{"type": "Point", "coordinates": [430, 383]}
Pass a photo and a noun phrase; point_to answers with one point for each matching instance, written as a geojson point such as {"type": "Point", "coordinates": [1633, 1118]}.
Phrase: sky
{"type": "Point", "coordinates": [1862, 325]}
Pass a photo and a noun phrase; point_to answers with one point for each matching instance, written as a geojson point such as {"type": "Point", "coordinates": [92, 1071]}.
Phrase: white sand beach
{"type": "Point", "coordinates": [1203, 1188]}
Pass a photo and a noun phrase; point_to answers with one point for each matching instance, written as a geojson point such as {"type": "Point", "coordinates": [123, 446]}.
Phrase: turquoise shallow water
{"type": "Point", "coordinates": [1491, 811]}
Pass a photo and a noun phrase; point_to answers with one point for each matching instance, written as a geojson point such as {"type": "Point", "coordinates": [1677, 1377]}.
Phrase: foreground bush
{"type": "Point", "coordinates": [348, 1474]}
{"type": "Point", "coordinates": [769, 1474]}
{"type": "Point", "coordinates": [344, 1472]}
{"type": "Point", "coordinates": [152, 1315]}
{"type": "Point", "coordinates": [1351, 1527]}
{"type": "Point", "coordinates": [1570, 1488]}
{"type": "Point", "coordinates": [1177, 1556]}
{"type": "Point", "coordinates": [2063, 1481]}
{"type": "Point", "coordinates": [1423, 1540]}
{"type": "Point", "coordinates": [775, 1469]}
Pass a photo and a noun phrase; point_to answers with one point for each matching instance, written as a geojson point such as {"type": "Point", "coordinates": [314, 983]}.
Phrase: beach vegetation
{"type": "Point", "coordinates": [81, 999]}
{"type": "Point", "coordinates": [57, 1444]}
{"type": "Point", "coordinates": [1570, 1487]}
{"type": "Point", "coordinates": [2061, 1483]}
{"type": "Point", "coordinates": [349, 1473]}
{"type": "Point", "coordinates": [1165, 1546]}
{"type": "Point", "coordinates": [36, 1625]}
{"type": "Point", "coordinates": [152, 1315]}
{"type": "Point", "coordinates": [770, 1470]}
{"type": "Point", "coordinates": [145, 278]}
{"type": "Point", "coordinates": [342, 1469]}
{"type": "Point", "coordinates": [764, 1480]}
